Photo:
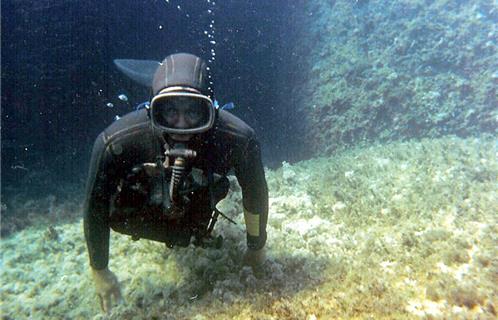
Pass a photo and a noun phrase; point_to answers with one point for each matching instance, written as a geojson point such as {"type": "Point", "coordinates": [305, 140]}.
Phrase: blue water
{"type": "Point", "coordinates": [60, 83]}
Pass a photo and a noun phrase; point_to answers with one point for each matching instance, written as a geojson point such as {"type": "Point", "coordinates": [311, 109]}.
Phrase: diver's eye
{"type": "Point", "coordinates": [172, 112]}
{"type": "Point", "coordinates": [171, 116]}
{"type": "Point", "coordinates": [193, 114]}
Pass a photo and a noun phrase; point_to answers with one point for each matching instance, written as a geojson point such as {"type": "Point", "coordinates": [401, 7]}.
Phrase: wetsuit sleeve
{"type": "Point", "coordinates": [96, 210]}
{"type": "Point", "coordinates": [251, 177]}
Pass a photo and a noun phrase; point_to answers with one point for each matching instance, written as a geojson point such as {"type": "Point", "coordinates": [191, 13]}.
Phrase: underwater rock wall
{"type": "Point", "coordinates": [389, 70]}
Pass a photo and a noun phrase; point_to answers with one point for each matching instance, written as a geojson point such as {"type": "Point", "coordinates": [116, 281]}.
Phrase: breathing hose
{"type": "Point", "coordinates": [181, 155]}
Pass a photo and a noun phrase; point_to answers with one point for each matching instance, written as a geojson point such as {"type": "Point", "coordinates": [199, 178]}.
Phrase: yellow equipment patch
{"type": "Point", "coordinates": [252, 223]}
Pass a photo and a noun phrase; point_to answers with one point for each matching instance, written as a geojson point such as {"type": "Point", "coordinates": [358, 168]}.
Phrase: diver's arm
{"type": "Point", "coordinates": [96, 224]}
{"type": "Point", "coordinates": [96, 211]}
{"type": "Point", "coordinates": [251, 177]}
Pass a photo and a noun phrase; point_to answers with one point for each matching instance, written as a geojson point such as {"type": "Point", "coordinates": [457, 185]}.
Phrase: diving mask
{"type": "Point", "coordinates": [179, 112]}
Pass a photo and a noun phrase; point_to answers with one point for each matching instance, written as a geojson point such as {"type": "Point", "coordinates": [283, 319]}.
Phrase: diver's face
{"type": "Point", "coordinates": [182, 113]}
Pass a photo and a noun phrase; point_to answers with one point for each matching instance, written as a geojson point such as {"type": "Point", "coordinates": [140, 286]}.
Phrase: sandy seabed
{"type": "Point", "coordinates": [399, 231]}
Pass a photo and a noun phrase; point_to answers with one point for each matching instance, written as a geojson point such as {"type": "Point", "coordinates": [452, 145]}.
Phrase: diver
{"type": "Point", "coordinates": [157, 173]}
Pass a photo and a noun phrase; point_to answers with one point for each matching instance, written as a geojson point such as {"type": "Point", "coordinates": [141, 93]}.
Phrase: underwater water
{"type": "Point", "coordinates": [378, 123]}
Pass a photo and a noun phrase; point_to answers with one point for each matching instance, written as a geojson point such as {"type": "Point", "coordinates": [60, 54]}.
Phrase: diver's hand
{"type": "Point", "coordinates": [255, 259]}
{"type": "Point", "coordinates": [107, 286]}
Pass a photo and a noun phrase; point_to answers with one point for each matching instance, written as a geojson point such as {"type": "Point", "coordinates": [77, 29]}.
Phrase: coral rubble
{"type": "Point", "coordinates": [400, 231]}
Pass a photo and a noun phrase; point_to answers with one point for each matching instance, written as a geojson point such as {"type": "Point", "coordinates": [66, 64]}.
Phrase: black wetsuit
{"type": "Point", "coordinates": [131, 141]}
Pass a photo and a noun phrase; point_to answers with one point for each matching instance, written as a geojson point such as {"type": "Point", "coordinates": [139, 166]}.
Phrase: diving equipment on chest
{"type": "Point", "coordinates": [166, 185]}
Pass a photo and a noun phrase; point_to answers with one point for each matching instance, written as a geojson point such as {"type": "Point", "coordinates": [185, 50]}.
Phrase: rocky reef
{"type": "Point", "coordinates": [398, 231]}
{"type": "Point", "coordinates": [390, 70]}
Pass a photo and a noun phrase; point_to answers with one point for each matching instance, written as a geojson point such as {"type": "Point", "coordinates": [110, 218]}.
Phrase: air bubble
{"type": "Point", "coordinates": [178, 7]}
{"type": "Point", "coordinates": [209, 11]}
{"type": "Point", "coordinates": [160, 27]}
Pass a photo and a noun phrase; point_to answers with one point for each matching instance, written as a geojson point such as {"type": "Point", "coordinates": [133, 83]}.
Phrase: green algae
{"type": "Point", "coordinates": [398, 69]}
{"type": "Point", "coordinates": [398, 231]}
